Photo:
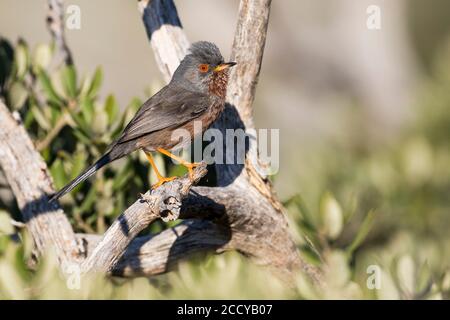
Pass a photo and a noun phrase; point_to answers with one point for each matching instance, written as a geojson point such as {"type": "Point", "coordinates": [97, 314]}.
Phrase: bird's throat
{"type": "Point", "coordinates": [218, 84]}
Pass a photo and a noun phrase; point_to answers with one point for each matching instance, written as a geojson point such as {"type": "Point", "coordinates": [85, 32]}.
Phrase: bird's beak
{"type": "Point", "coordinates": [224, 66]}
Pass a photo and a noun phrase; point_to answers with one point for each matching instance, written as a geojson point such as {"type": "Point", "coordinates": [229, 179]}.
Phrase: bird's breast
{"type": "Point", "coordinates": [199, 125]}
{"type": "Point", "coordinates": [211, 114]}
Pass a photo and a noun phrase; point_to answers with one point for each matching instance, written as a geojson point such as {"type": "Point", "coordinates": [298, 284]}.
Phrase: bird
{"type": "Point", "coordinates": [196, 92]}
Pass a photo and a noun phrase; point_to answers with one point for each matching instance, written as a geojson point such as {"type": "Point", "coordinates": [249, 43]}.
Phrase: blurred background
{"type": "Point", "coordinates": [364, 119]}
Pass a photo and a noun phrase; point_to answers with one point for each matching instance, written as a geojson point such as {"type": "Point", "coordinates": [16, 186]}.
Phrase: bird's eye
{"type": "Point", "coordinates": [203, 68]}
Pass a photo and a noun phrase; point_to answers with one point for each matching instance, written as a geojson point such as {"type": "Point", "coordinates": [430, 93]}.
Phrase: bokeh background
{"type": "Point", "coordinates": [364, 119]}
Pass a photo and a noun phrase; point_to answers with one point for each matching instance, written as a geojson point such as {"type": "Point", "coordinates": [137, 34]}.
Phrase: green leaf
{"type": "Point", "coordinates": [79, 162]}
{"type": "Point", "coordinates": [119, 205]}
{"type": "Point", "coordinates": [100, 123]}
{"type": "Point", "coordinates": [173, 170]}
{"type": "Point", "coordinates": [331, 215]}
{"type": "Point", "coordinates": [21, 59]}
{"type": "Point", "coordinates": [306, 218]}
{"type": "Point", "coordinates": [96, 82]}
{"type": "Point", "coordinates": [87, 108]}
{"type": "Point", "coordinates": [424, 280]}
{"type": "Point", "coordinates": [82, 137]}
{"type": "Point", "coordinates": [4, 243]}
{"type": "Point", "coordinates": [42, 57]}
{"type": "Point", "coordinates": [5, 223]}
{"type": "Point", "coordinates": [363, 231]}
{"type": "Point", "coordinates": [406, 270]}
{"type": "Point", "coordinates": [20, 263]}
{"type": "Point", "coordinates": [69, 81]}
{"type": "Point", "coordinates": [122, 177]}
{"type": "Point", "coordinates": [40, 117]}
{"type": "Point", "coordinates": [84, 87]}
{"type": "Point", "coordinates": [89, 200]}
{"type": "Point", "coordinates": [58, 174]}
{"type": "Point", "coordinates": [12, 283]}
{"type": "Point", "coordinates": [112, 109]}
{"type": "Point", "coordinates": [81, 122]}
{"type": "Point", "coordinates": [48, 88]}
{"type": "Point", "coordinates": [18, 94]}
{"type": "Point", "coordinates": [28, 120]}
{"type": "Point", "coordinates": [54, 113]}
{"type": "Point", "coordinates": [338, 270]}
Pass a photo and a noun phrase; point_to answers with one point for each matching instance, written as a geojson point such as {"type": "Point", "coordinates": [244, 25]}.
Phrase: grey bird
{"type": "Point", "coordinates": [196, 92]}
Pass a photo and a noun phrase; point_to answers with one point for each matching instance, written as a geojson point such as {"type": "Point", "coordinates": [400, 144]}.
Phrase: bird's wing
{"type": "Point", "coordinates": [170, 107]}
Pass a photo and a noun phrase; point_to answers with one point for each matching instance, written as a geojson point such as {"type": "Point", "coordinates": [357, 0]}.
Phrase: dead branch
{"type": "Point", "coordinates": [159, 253]}
{"type": "Point", "coordinates": [164, 203]}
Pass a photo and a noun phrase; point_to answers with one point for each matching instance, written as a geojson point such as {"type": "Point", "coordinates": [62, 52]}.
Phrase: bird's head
{"type": "Point", "coordinates": [202, 65]}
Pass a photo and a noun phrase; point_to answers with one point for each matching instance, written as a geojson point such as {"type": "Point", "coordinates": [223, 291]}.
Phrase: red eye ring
{"type": "Point", "coordinates": [203, 68]}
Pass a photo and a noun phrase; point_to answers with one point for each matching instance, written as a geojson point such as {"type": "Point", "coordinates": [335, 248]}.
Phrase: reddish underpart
{"type": "Point", "coordinates": [218, 83]}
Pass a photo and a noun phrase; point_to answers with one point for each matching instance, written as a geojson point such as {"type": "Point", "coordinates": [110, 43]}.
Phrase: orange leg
{"type": "Point", "coordinates": [190, 166]}
{"type": "Point", "coordinates": [161, 179]}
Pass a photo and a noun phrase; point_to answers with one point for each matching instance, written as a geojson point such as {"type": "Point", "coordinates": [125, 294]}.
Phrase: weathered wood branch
{"type": "Point", "coordinates": [30, 182]}
{"type": "Point", "coordinates": [248, 48]}
{"type": "Point", "coordinates": [159, 253]}
{"type": "Point", "coordinates": [163, 27]}
{"type": "Point", "coordinates": [218, 220]}
{"type": "Point", "coordinates": [163, 202]}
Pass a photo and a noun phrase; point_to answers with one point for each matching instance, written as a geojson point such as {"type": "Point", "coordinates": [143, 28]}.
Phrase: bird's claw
{"type": "Point", "coordinates": [161, 181]}
{"type": "Point", "coordinates": [191, 167]}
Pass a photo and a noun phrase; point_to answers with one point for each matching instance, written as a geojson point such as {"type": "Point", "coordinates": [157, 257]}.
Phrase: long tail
{"type": "Point", "coordinates": [104, 160]}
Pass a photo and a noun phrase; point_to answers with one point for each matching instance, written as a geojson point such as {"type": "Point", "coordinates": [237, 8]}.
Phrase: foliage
{"type": "Point", "coordinates": [384, 206]}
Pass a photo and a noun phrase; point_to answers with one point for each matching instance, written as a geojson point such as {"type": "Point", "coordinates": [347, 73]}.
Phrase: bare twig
{"type": "Point", "coordinates": [31, 85]}
{"type": "Point", "coordinates": [63, 120]}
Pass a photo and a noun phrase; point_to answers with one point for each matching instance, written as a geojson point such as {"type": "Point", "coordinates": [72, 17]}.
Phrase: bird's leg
{"type": "Point", "coordinates": [189, 165]}
{"type": "Point", "coordinates": [161, 179]}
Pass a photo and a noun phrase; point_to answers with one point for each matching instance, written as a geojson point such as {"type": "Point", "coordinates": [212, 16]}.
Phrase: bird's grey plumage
{"type": "Point", "coordinates": [178, 106]}
{"type": "Point", "coordinates": [186, 98]}
{"type": "Point", "coordinates": [206, 52]}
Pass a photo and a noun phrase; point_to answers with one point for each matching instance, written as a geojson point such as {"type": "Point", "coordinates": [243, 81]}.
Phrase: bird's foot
{"type": "Point", "coordinates": [161, 181]}
{"type": "Point", "coordinates": [191, 167]}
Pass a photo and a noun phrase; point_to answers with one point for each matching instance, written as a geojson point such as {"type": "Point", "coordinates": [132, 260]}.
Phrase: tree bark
{"type": "Point", "coordinates": [163, 203]}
